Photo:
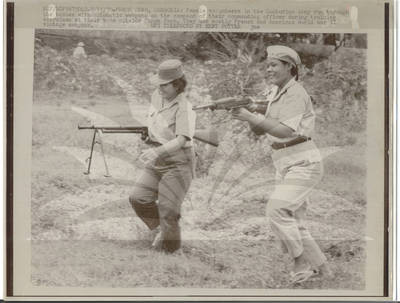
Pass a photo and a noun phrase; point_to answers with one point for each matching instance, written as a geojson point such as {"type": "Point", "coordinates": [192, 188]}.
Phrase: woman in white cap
{"type": "Point", "coordinates": [289, 123]}
{"type": "Point", "coordinates": [169, 164]}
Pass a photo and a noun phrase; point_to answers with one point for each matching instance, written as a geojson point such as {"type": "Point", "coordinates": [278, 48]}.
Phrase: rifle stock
{"type": "Point", "coordinates": [208, 136]}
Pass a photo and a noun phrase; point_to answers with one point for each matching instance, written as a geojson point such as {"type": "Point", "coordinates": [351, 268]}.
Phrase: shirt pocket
{"type": "Point", "coordinates": [163, 121]}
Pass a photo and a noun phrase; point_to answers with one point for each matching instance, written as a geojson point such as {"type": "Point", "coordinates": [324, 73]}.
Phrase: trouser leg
{"type": "Point", "coordinates": [144, 196]}
{"type": "Point", "coordinates": [281, 209]}
{"type": "Point", "coordinates": [286, 209]}
{"type": "Point", "coordinates": [283, 224]}
{"type": "Point", "coordinates": [173, 187]}
{"type": "Point", "coordinates": [295, 237]}
{"type": "Point", "coordinates": [311, 251]}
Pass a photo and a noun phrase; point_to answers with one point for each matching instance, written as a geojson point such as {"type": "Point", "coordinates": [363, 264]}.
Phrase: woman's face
{"type": "Point", "coordinates": [168, 91]}
{"type": "Point", "coordinates": [278, 72]}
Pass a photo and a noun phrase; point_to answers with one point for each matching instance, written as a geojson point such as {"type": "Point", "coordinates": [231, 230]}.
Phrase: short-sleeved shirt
{"type": "Point", "coordinates": [167, 120]}
{"type": "Point", "coordinates": [292, 107]}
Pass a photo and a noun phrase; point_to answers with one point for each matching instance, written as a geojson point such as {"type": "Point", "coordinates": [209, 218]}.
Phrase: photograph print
{"type": "Point", "coordinates": [201, 160]}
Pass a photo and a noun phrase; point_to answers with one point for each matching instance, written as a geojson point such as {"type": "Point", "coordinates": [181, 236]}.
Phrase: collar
{"type": "Point", "coordinates": [279, 93]}
{"type": "Point", "coordinates": [169, 104]}
{"type": "Point", "coordinates": [284, 89]}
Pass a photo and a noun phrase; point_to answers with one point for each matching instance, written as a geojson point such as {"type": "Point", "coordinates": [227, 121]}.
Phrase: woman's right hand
{"type": "Point", "coordinates": [252, 107]}
{"type": "Point", "coordinates": [149, 156]}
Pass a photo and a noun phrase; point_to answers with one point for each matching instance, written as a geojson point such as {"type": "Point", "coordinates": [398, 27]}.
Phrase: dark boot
{"type": "Point", "coordinates": [171, 232]}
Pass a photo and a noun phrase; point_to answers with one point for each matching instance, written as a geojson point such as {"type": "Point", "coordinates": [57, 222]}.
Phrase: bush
{"type": "Point", "coordinates": [340, 94]}
{"type": "Point", "coordinates": [234, 66]}
{"type": "Point", "coordinates": [59, 71]}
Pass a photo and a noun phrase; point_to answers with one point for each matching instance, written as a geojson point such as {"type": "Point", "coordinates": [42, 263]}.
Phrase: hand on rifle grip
{"type": "Point", "coordinates": [144, 137]}
{"type": "Point", "coordinates": [213, 107]}
{"type": "Point", "coordinates": [252, 106]}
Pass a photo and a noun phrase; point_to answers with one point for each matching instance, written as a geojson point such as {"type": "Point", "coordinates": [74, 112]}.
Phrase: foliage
{"type": "Point", "coordinates": [217, 65]}
{"type": "Point", "coordinates": [60, 72]}
{"type": "Point", "coordinates": [340, 94]}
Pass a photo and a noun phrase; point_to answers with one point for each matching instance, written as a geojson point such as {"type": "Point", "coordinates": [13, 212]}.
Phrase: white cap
{"type": "Point", "coordinates": [284, 53]}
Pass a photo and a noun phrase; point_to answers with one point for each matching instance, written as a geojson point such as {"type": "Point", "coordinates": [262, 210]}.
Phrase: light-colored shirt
{"type": "Point", "coordinates": [292, 107]}
{"type": "Point", "coordinates": [167, 120]}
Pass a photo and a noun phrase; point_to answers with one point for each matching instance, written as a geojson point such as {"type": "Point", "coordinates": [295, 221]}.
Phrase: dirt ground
{"type": "Point", "coordinates": [84, 232]}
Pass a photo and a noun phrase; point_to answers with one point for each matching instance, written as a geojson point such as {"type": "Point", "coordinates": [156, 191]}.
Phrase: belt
{"type": "Point", "coordinates": [300, 139]}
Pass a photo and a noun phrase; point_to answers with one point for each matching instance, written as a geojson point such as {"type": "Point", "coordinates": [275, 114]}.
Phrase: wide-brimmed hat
{"type": "Point", "coordinates": [168, 71]}
{"type": "Point", "coordinates": [284, 53]}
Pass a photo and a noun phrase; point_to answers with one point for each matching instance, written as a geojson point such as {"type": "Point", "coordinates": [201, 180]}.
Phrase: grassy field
{"type": "Point", "coordinates": [85, 233]}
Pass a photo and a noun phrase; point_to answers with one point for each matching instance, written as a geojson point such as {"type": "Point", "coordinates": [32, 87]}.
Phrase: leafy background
{"type": "Point", "coordinates": [84, 232]}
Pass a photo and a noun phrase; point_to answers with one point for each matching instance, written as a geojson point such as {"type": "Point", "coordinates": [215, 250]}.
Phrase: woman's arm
{"type": "Point", "coordinates": [171, 146]}
{"type": "Point", "coordinates": [262, 125]}
{"type": "Point", "coordinates": [152, 154]}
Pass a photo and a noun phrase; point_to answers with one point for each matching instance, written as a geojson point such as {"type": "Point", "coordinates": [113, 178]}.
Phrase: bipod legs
{"type": "Point", "coordinates": [100, 141]}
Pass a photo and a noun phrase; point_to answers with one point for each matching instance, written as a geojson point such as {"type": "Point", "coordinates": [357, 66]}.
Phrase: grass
{"type": "Point", "coordinates": [349, 162]}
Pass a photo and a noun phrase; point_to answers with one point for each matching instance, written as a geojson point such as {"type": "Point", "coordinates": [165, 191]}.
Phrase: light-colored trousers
{"type": "Point", "coordinates": [287, 206]}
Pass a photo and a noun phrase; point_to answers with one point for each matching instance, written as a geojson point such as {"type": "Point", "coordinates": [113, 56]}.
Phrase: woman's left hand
{"type": "Point", "coordinates": [241, 114]}
{"type": "Point", "coordinates": [149, 156]}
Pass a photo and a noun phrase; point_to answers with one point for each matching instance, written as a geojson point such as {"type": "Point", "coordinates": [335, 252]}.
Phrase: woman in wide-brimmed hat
{"type": "Point", "coordinates": [289, 124]}
{"type": "Point", "coordinates": [169, 164]}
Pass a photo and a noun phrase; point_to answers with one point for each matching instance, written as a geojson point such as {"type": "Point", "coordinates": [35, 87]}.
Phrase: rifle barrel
{"type": "Point", "coordinates": [112, 127]}
{"type": "Point", "coordinates": [210, 105]}
{"type": "Point", "coordinates": [229, 102]}
{"type": "Point", "coordinates": [120, 131]}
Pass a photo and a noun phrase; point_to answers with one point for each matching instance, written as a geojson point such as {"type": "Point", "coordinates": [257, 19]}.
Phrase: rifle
{"type": "Point", "coordinates": [206, 136]}
{"type": "Point", "coordinates": [233, 102]}
{"type": "Point", "coordinates": [119, 129]}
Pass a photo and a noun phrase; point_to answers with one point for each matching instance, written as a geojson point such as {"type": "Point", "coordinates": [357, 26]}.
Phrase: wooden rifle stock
{"type": "Point", "coordinates": [208, 136]}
